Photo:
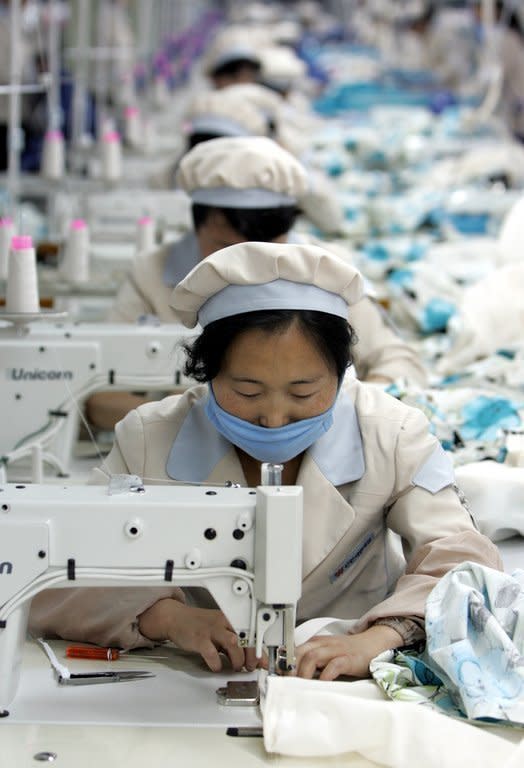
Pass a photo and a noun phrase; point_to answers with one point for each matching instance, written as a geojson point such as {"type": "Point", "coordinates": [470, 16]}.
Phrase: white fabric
{"type": "Point", "coordinates": [511, 234]}
{"type": "Point", "coordinates": [495, 494]}
{"type": "Point", "coordinates": [314, 718]}
{"type": "Point", "coordinates": [490, 316]}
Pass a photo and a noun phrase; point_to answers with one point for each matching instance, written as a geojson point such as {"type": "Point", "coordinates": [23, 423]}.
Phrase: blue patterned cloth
{"type": "Point", "coordinates": [473, 664]}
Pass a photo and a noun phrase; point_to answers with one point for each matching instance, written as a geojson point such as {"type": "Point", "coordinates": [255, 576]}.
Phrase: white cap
{"type": "Point", "coordinates": [255, 276]}
{"type": "Point", "coordinates": [243, 172]}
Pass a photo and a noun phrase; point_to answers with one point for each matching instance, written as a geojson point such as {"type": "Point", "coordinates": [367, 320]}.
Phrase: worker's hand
{"type": "Point", "coordinates": [201, 630]}
{"type": "Point", "coordinates": [335, 655]}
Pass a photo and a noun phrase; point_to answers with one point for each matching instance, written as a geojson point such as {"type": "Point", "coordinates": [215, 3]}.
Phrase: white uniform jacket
{"type": "Point", "coordinates": [377, 472]}
{"type": "Point", "coordinates": [379, 352]}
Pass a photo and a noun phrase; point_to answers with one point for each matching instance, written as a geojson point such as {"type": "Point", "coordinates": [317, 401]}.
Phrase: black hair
{"type": "Point", "coordinates": [510, 16]}
{"type": "Point", "coordinates": [332, 336]}
{"type": "Point", "coordinates": [255, 224]}
{"type": "Point", "coordinates": [199, 136]}
{"type": "Point", "coordinates": [233, 67]}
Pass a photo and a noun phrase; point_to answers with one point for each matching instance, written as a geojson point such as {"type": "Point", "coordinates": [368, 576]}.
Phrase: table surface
{"type": "Point", "coordinates": [171, 719]}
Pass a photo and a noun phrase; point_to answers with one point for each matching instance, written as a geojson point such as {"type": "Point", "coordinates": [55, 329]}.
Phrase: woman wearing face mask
{"type": "Point", "coordinates": [272, 356]}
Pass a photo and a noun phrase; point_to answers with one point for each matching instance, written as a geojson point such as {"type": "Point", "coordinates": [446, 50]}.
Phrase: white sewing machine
{"type": "Point", "coordinates": [47, 369]}
{"type": "Point", "coordinates": [244, 546]}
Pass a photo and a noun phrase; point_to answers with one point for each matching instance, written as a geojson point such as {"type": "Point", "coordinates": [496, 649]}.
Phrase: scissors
{"type": "Point", "coordinates": [65, 677]}
{"type": "Point", "coordinates": [92, 678]}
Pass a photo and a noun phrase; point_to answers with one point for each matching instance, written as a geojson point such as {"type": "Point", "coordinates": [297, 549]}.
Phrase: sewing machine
{"type": "Point", "coordinates": [47, 369]}
{"type": "Point", "coordinates": [244, 546]}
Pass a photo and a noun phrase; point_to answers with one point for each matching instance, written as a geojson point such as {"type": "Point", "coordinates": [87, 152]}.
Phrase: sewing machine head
{"type": "Point", "coordinates": [243, 545]}
{"type": "Point", "coordinates": [47, 372]}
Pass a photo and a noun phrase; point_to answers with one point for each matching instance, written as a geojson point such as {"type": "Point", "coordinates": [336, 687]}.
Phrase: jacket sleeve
{"type": "Point", "coordinates": [433, 522]}
{"type": "Point", "coordinates": [130, 303]}
{"type": "Point", "coordinates": [105, 616]}
{"type": "Point", "coordinates": [379, 352]}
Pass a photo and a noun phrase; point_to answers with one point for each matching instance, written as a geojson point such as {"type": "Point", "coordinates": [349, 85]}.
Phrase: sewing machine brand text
{"type": "Point", "coordinates": [38, 374]}
{"type": "Point", "coordinates": [6, 567]}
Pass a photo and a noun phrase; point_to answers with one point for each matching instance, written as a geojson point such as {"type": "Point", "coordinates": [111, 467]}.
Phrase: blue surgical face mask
{"type": "Point", "coordinates": [276, 445]}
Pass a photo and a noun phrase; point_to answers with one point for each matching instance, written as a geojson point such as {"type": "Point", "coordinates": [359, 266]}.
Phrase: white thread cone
{"type": "Point", "coordinates": [75, 265]}
{"type": "Point", "coordinates": [53, 156]}
{"type": "Point", "coordinates": [145, 234]}
{"type": "Point", "coordinates": [111, 156]}
{"type": "Point", "coordinates": [22, 284]}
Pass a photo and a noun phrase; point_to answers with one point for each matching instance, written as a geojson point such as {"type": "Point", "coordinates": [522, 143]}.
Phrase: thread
{"type": "Point", "coordinates": [7, 230]}
{"type": "Point", "coordinates": [22, 284]}
{"type": "Point", "coordinates": [75, 264]}
{"type": "Point", "coordinates": [145, 234]}
{"type": "Point", "coordinates": [111, 156]}
{"type": "Point", "coordinates": [53, 156]}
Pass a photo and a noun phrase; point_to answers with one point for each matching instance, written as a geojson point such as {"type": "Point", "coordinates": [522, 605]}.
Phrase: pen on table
{"type": "Point", "coordinates": [103, 654]}
{"type": "Point", "coordinates": [245, 731]}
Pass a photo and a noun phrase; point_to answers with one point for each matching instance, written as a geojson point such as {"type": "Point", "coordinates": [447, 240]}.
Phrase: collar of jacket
{"type": "Point", "coordinates": [182, 256]}
{"type": "Point", "coordinates": [199, 448]}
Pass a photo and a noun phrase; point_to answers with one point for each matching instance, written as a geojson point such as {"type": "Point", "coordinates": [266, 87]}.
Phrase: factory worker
{"type": "Point", "coordinates": [292, 128]}
{"type": "Point", "coordinates": [233, 57]}
{"type": "Point", "coordinates": [272, 355]}
{"type": "Point", "coordinates": [241, 189]}
{"type": "Point", "coordinates": [502, 48]}
{"type": "Point", "coordinates": [251, 109]}
{"type": "Point", "coordinates": [114, 76]}
{"type": "Point", "coordinates": [27, 73]}
{"type": "Point", "coordinates": [211, 115]}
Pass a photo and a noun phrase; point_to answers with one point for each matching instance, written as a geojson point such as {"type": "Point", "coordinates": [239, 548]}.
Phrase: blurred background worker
{"type": "Point", "coordinates": [501, 50]}
{"type": "Point", "coordinates": [26, 68]}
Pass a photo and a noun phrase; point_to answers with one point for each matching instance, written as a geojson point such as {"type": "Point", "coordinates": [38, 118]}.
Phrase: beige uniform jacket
{"type": "Point", "coordinates": [375, 473]}
{"type": "Point", "coordinates": [379, 352]}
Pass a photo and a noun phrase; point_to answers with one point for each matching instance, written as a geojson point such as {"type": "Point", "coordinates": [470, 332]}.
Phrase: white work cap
{"type": "Point", "coordinates": [281, 67]}
{"type": "Point", "coordinates": [243, 172]}
{"type": "Point", "coordinates": [250, 276]}
{"type": "Point", "coordinates": [232, 44]}
{"type": "Point", "coordinates": [224, 113]}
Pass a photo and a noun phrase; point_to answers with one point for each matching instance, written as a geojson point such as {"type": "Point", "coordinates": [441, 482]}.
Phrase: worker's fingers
{"type": "Point", "coordinates": [336, 655]}
{"type": "Point", "coordinates": [229, 644]}
{"type": "Point", "coordinates": [340, 665]}
{"type": "Point", "coordinates": [211, 656]}
{"type": "Point", "coordinates": [250, 659]}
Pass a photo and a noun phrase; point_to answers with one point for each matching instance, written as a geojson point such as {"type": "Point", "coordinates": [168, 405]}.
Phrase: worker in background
{"type": "Point", "coordinates": [501, 45]}
{"type": "Point", "coordinates": [114, 75]}
{"type": "Point", "coordinates": [232, 57]}
{"type": "Point", "coordinates": [242, 189]}
{"type": "Point", "coordinates": [212, 115]}
{"type": "Point", "coordinates": [251, 109]}
{"type": "Point", "coordinates": [31, 123]}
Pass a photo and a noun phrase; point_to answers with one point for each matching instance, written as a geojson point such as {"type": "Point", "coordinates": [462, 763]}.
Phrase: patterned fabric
{"type": "Point", "coordinates": [473, 664]}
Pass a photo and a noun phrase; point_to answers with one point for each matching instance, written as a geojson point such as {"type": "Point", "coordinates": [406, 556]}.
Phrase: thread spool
{"type": "Point", "coordinates": [7, 230]}
{"type": "Point", "coordinates": [111, 156]}
{"type": "Point", "coordinates": [75, 265]}
{"type": "Point", "coordinates": [132, 124]}
{"type": "Point", "coordinates": [160, 92]}
{"type": "Point", "coordinates": [145, 234]}
{"type": "Point", "coordinates": [53, 155]}
{"type": "Point", "coordinates": [22, 284]}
